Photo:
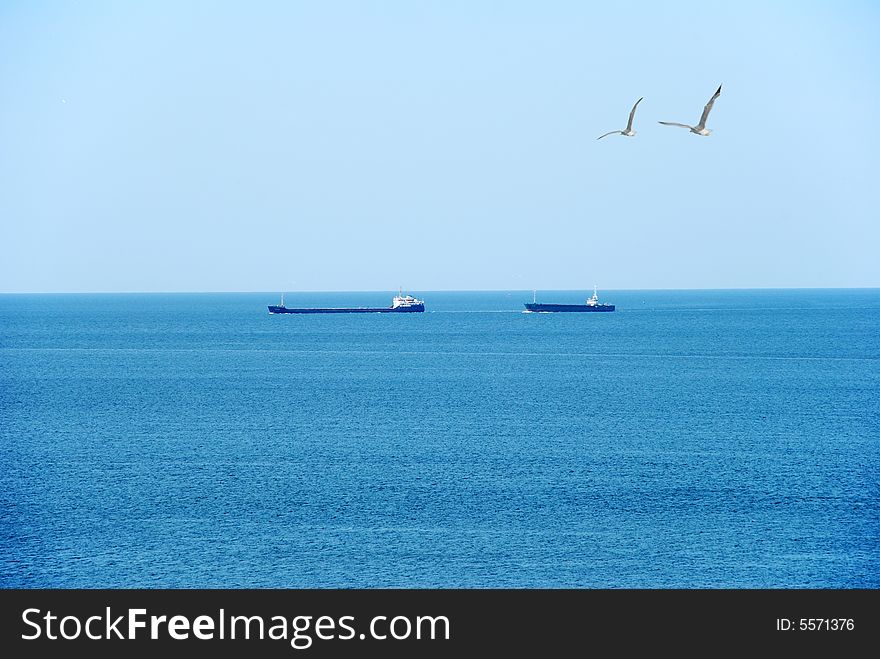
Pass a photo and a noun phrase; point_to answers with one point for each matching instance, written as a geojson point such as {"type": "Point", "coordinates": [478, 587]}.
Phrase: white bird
{"type": "Point", "coordinates": [700, 128]}
{"type": "Point", "coordinates": [629, 132]}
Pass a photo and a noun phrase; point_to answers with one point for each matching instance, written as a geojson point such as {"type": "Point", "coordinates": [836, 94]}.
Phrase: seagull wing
{"type": "Point", "coordinates": [671, 123]}
{"type": "Point", "coordinates": [708, 109]}
{"type": "Point", "coordinates": [632, 113]}
{"type": "Point", "coordinates": [611, 133]}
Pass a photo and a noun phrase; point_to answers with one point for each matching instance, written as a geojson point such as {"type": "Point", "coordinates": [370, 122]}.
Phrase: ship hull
{"type": "Point", "coordinates": [540, 307]}
{"type": "Point", "coordinates": [416, 308]}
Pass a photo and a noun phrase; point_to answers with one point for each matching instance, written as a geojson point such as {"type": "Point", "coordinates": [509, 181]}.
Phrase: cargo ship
{"type": "Point", "coordinates": [592, 304]}
{"type": "Point", "coordinates": [399, 304]}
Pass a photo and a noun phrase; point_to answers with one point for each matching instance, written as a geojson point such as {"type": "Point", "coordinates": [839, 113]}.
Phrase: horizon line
{"type": "Point", "coordinates": [439, 290]}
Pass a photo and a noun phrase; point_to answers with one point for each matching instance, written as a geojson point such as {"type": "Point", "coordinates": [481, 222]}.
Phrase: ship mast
{"type": "Point", "coordinates": [534, 295]}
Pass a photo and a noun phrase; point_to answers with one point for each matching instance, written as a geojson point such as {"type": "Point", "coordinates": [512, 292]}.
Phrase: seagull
{"type": "Point", "coordinates": [629, 132]}
{"type": "Point", "coordinates": [700, 128]}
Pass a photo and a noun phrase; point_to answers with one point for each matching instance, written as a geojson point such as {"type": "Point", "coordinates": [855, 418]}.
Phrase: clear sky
{"type": "Point", "coordinates": [260, 146]}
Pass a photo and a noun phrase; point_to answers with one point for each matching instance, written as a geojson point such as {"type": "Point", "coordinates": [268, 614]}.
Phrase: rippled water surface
{"type": "Point", "coordinates": [690, 439]}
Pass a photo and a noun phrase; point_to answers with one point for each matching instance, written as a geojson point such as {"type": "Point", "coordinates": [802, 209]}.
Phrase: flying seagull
{"type": "Point", "coordinates": [700, 128]}
{"type": "Point", "coordinates": [629, 132]}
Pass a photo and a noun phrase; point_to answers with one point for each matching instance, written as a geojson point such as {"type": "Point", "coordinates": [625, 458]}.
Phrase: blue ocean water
{"type": "Point", "coordinates": [690, 439]}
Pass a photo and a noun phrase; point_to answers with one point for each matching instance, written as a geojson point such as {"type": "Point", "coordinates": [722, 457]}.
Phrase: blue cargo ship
{"type": "Point", "coordinates": [592, 304]}
{"type": "Point", "coordinates": [399, 304]}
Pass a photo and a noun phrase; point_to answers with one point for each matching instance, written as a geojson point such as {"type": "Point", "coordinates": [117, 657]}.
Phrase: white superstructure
{"type": "Point", "coordinates": [401, 300]}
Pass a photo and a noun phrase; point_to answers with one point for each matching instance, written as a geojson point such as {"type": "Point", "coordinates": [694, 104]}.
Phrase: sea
{"type": "Point", "coordinates": [691, 439]}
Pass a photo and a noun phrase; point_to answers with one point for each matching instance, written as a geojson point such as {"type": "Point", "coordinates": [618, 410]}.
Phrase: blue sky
{"type": "Point", "coordinates": [211, 146]}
